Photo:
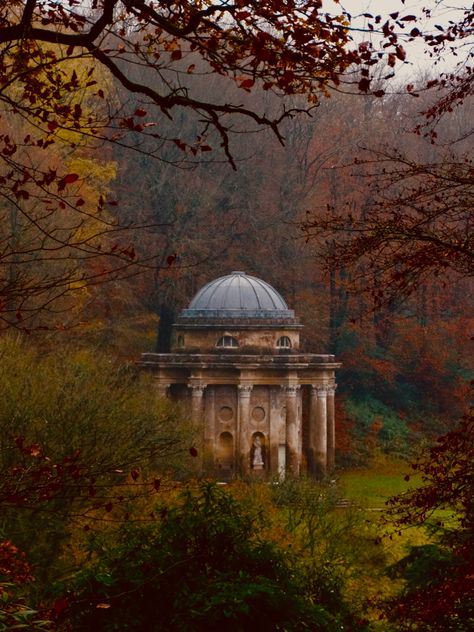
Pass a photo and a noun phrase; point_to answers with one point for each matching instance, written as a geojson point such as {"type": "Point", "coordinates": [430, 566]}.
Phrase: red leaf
{"type": "Point", "coordinates": [176, 55]}
{"type": "Point", "coordinates": [156, 484]}
{"type": "Point", "coordinates": [140, 112]}
{"type": "Point", "coordinates": [60, 605]}
{"type": "Point", "coordinates": [247, 83]}
{"type": "Point", "coordinates": [108, 507]}
{"type": "Point", "coordinates": [401, 53]}
{"type": "Point", "coordinates": [70, 178]}
{"type": "Point", "coordinates": [193, 452]}
{"type": "Point", "coordinates": [364, 84]}
{"type": "Point", "coordinates": [134, 474]}
{"type": "Point", "coordinates": [35, 449]}
{"type": "Point", "coordinates": [170, 259]}
{"type": "Point", "coordinates": [379, 93]}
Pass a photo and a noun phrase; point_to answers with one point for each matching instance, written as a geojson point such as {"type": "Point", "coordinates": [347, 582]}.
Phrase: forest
{"type": "Point", "coordinates": [149, 147]}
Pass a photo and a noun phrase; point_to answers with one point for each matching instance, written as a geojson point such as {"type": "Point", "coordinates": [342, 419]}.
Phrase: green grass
{"type": "Point", "coordinates": [371, 487]}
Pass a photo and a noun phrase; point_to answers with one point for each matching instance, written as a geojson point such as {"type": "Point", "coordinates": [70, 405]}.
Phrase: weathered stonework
{"type": "Point", "coordinates": [265, 409]}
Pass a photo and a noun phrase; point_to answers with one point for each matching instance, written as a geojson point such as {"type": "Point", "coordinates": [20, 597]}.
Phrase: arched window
{"type": "Point", "coordinates": [284, 342]}
{"type": "Point", "coordinates": [227, 341]}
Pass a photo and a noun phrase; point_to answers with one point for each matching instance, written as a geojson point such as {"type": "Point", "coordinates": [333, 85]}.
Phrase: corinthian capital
{"type": "Point", "coordinates": [291, 389]}
{"type": "Point", "coordinates": [331, 390]}
{"type": "Point", "coordinates": [244, 390]}
{"type": "Point", "coordinates": [197, 390]}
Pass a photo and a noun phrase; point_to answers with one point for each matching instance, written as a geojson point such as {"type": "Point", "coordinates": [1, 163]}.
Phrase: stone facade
{"type": "Point", "coordinates": [265, 409]}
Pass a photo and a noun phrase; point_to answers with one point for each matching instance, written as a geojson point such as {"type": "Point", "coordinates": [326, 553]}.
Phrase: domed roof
{"type": "Point", "coordinates": [238, 295]}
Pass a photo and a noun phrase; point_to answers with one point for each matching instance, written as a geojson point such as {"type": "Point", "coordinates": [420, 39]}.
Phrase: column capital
{"type": "Point", "coordinates": [197, 389]}
{"type": "Point", "coordinates": [331, 390]}
{"type": "Point", "coordinates": [244, 390]}
{"type": "Point", "coordinates": [322, 389]}
{"type": "Point", "coordinates": [291, 389]}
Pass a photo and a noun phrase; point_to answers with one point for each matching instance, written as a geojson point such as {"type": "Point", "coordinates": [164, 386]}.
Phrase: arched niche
{"type": "Point", "coordinates": [225, 452]}
{"type": "Point", "coordinates": [258, 452]}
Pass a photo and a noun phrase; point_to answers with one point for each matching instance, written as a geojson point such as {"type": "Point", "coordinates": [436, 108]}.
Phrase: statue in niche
{"type": "Point", "coordinates": [257, 456]}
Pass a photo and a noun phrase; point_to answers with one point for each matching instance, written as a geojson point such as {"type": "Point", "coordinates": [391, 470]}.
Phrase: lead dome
{"type": "Point", "coordinates": [238, 295]}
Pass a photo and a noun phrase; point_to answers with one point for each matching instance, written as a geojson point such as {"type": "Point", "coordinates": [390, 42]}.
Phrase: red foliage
{"type": "Point", "coordinates": [14, 568]}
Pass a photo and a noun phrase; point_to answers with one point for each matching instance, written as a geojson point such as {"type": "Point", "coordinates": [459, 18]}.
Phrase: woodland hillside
{"type": "Point", "coordinates": [149, 147]}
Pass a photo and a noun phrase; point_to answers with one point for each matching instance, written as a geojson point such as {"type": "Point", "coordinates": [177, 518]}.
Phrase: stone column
{"type": "Point", "coordinates": [317, 438]}
{"type": "Point", "coordinates": [321, 433]}
{"type": "Point", "coordinates": [244, 431]}
{"type": "Point", "coordinates": [293, 429]}
{"type": "Point", "coordinates": [197, 398]}
{"type": "Point", "coordinates": [274, 428]}
{"type": "Point", "coordinates": [197, 413]}
{"type": "Point", "coordinates": [331, 427]}
{"type": "Point", "coordinates": [209, 431]}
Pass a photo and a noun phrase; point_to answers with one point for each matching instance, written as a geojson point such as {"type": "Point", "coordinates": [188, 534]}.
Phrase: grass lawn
{"type": "Point", "coordinates": [372, 486]}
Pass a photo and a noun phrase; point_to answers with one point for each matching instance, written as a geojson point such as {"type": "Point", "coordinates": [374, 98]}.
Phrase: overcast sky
{"type": "Point", "coordinates": [418, 59]}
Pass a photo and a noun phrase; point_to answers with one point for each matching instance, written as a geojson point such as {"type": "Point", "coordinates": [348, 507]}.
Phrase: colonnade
{"type": "Point", "coordinates": [321, 437]}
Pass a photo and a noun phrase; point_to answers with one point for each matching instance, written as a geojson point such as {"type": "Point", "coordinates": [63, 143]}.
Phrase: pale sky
{"type": "Point", "coordinates": [417, 57]}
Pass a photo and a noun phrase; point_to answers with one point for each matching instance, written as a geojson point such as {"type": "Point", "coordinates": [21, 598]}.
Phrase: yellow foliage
{"type": "Point", "coordinates": [96, 174]}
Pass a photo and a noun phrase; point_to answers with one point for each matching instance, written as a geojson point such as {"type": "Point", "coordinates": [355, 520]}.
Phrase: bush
{"type": "Point", "coordinates": [72, 427]}
{"type": "Point", "coordinates": [202, 565]}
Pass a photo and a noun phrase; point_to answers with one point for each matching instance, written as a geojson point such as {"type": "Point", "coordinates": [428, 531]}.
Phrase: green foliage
{"type": "Point", "coordinates": [378, 425]}
{"type": "Point", "coordinates": [203, 565]}
{"type": "Point", "coordinates": [78, 400]}
{"type": "Point", "coordinates": [339, 548]}
{"type": "Point", "coordinates": [74, 407]}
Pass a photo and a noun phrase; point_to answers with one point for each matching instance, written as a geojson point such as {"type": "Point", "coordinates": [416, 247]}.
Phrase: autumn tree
{"type": "Point", "coordinates": [439, 590]}
{"type": "Point", "coordinates": [418, 219]}
{"type": "Point", "coordinates": [58, 64]}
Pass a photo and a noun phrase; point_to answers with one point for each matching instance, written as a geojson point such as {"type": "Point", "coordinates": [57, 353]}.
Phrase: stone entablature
{"type": "Point", "coordinates": [301, 360]}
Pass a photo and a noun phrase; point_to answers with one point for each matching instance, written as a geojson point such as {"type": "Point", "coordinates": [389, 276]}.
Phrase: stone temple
{"type": "Point", "coordinates": [265, 409]}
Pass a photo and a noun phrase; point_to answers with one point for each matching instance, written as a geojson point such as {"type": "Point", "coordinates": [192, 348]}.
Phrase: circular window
{"type": "Point", "coordinates": [225, 413]}
{"type": "Point", "coordinates": [258, 413]}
